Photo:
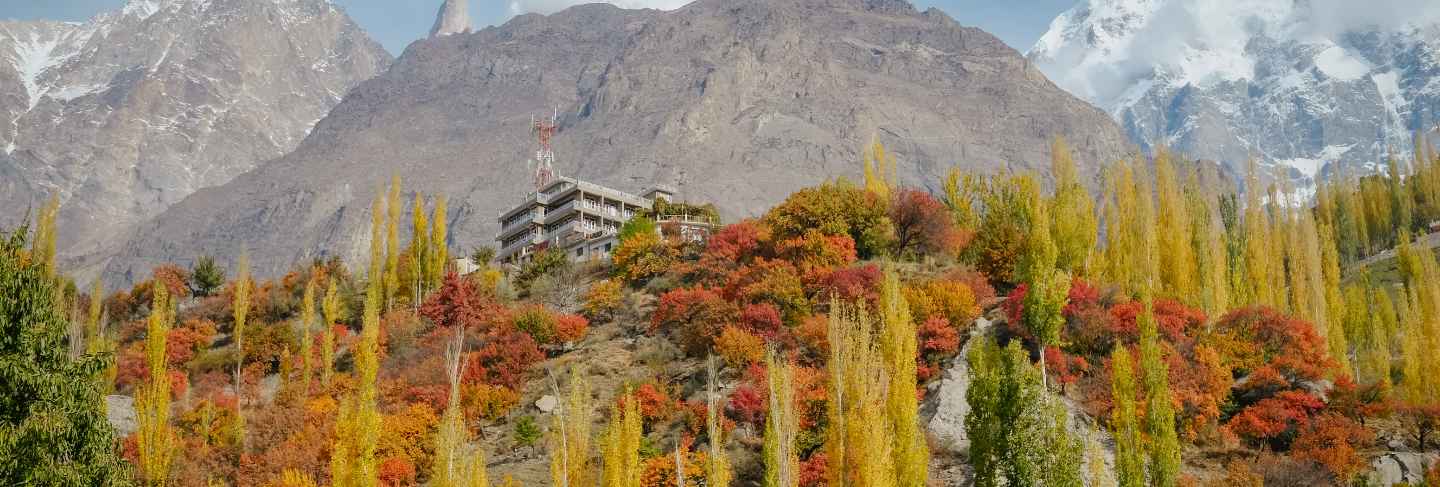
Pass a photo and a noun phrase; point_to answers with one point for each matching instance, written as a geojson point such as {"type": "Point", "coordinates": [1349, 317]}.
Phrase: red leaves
{"type": "Point", "coordinates": [571, 328]}
{"type": "Point", "coordinates": [748, 405]}
{"type": "Point", "coordinates": [1268, 419]}
{"type": "Point", "coordinates": [1334, 441]}
{"type": "Point", "coordinates": [923, 225]}
{"type": "Point", "coordinates": [458, 303]}
{"type": "Point", "coordinates": [1256, 338]}
{"type": "Point", "coordinates": [396, 471]}
{"type": "Point", "coordinates": [695, 316]}
{"type": "Point", "coordinates": [503, 360]}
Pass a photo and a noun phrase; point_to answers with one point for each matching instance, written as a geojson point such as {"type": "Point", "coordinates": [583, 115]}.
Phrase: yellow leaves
{"type": "Point", "coordinates": [570, 437]}
{"type": "Point", "coordinates": [156, 437]}
{"type": "Point", "coordinates": [621, 454]}
{"type": "Point", "coordinates": [879, 170]}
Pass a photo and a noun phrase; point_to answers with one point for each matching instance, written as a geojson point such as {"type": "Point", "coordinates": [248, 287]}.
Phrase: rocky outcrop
{"type": "Point", "coordinates": [120, 411]}
{"type": "Point", "coordinates": [1400, 467]}
{"type": "Point", "coordinates": [134, 110]}
{"type": "Point", "coordinates": [453, 18]}
{"type": "Point", "coordinates": [947, 425]}
{"type": "Point", "coordinates": [735, 102]}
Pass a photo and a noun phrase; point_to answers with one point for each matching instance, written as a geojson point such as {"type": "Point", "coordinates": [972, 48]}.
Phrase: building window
{"type": "Point", "coordinates": [580, 251]}
{"type": "Point", "coordinates": [607, 248]}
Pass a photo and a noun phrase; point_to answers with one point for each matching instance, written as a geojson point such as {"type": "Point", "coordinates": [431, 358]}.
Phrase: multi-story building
{"type": "Point", "coordinates": [579, 218]}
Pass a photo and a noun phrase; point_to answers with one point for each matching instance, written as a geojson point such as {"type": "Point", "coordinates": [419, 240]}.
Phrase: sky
{"type": "Point", "coordinates": [395, 23]}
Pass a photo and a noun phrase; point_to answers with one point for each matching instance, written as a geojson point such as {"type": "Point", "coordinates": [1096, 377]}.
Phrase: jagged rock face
{"type": "Point", "coordinates": [738, 103]}
{"type": "Point", "coordinates": [136, 109]}
{"type": "Point", "coordinates": [1296, 84]}
{"type": "Point", "coordinates": [453, 18]}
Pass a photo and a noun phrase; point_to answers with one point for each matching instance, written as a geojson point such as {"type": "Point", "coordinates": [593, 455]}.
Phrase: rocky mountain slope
{"type": "Point", "coordinates": [736, 102]}
{"type": "Point", "coordinates": [1297, 84]}
{"type": "Point", "coordinates": [133, 110]}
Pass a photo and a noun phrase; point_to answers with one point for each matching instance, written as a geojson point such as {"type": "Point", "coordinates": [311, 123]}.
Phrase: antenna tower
{"type": "Point", "coordinates": [545, 155]}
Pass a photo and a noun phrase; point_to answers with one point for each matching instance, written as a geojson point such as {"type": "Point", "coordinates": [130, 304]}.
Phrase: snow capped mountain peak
{"type": "Point", "coordinates": [1297, 83]}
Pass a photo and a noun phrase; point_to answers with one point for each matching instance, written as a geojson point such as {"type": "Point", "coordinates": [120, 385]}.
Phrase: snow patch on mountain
{"type": "Point", "coordinates": [1299, 83]}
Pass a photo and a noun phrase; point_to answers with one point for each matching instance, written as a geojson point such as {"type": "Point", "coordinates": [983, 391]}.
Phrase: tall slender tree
{"type": "Point", "coordinates": [860, 454]}
{"type": "Point", "coordinates": [439, 242]}
{"type": "Point", "coordinates": [898, 343]}
{"type": "Point", "coordinates": [1048, 288]}
{"type": "Point", "coordinates": [1072, 217]}
{"type": "Point", "coordinates": [1176, 254]}
{"type": "Point", "coordinates": [622, 444]}
{"type": "Point", "coordinates": [307, 345]}
{"type": "Point", "coordinates": [717, 464]}
{"type": "Point", "coordinates": [156, 438]}
{"type": "Point", "coordinates": [418, 276]}
{"type": "Point", "coordinates": [391, 277]}
{"type": "Point", "coordinates": [782, 464]}
{"type": "Point", "coordinates": [240, 309]}
{"type": "Point", "coordinates": [331, 306]}
{"type": "Point", "coordinates": [570, 435]}
{"type": "Point", "coordinates": [1164, 465]}
{"type": "Point", "coordinates": [448, 468]}
{"type": "Point", "coordinates": [1124, 423]}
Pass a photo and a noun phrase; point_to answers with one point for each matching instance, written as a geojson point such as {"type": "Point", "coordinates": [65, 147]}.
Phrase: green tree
{"type": "Point", "coordinates": [206, 276]}
{"type": "Point", "coordinates": [1124, 424]}
{"type": "Point", "coordinates": [1019, 434]}
{"type": "Point", "coordinates": [53, 429]}
{"type": "Point", "coordinates": [1048, 288]}
{"type": "Point", "coordinates": [636, 226]}
{"type": "Point", "coordinates": [1160, 411]}
{"type": "Point", "coordinates": [1073, 224]}
{"type": "Point", "coordinates": [526, 432]}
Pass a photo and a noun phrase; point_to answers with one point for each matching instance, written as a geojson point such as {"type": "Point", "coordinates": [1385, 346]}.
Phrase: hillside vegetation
{"type": "Point", "coordinates": [1206, 339]}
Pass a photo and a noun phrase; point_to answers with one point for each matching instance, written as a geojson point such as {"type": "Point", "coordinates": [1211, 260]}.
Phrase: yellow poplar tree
{"type": "Point", "coordinates": [1159, 411]}
{"type": "Point", "coordinates": [621, 461]}
{"type": "Point", "coordinates": [155, 437]}
{"type": "Point", "coordinates": [307, 320]}
{"type": "Point", "coordinates": [1211, 258]}
{"type": "Point", "coordinates": [782, 465]}
{"type": "Point", "coordinates": [331, 306]}
{"type": "Point", "coordinates": [352, 461]}
{"type": "Point", "coordinates": [717, 464]}
{"type": "Point", "coordinates": [439, 241]}
{"type": "Point", "coordinates": [912, 457]}
{"type": "Point", "coordinates": [43, 248]}
{"type": "Point", "coordinates": [570, 435]}
{"type": "Point", "coordinates": [1336, 338]}
{"type": "Point", "coordinates": [391, 277]}
{"type": "Point", "coordinates": [1258, 260]}
{"type": "Point", "coordinates": [419, 275]}
{"type": "Point", "coordinates": [879, 170]}
{"type": "Point", "coordinates": [240, 309]}
{"type": "Point", "coordinates": [860, 451]}
{"type": "Point", "coordinates": [1124, 425]}
{"type": "Point", "coordinates": [1072, 213]}
{"type": "Point", "coordinates": [1176, 254]}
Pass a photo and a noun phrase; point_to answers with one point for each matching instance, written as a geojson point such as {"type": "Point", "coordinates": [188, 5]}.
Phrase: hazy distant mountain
{"type": "Point", "coordinates": [1297, 83]}
{"type": "Point", "coordinates": [736, 102]}
{"type": "Point", "coordinates": [133, 110]}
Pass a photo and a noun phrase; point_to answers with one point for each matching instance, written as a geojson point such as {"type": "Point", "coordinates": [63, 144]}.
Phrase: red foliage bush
{"type": "Point", "coordinates": [571, 328]}
{"type": "Point", "coordinates": [1258, 338]}
{"type": "Point", "coordinates": [814, 470]}
{"type": "Point", "coordinates": [1334, 441]}
{"type": "Point", "coordinates": [762, 319]}
{"type": "Point", "coordinates": [1273, 417]}
{"type": "Point", "coordinates": [396, 472]}
{"type": "Point", "coordinates": [852, 284]}
{"type": "Point", "coordinates": [747, 405]}
{"type": "Point", "coordinates": [696, 316]}
{"type": "Point", "coordinates": [923, 225]}
{"type": "Point", "coordinates": [503, 360]}
{"type": "Point", "coordinates": [458, 302]}
{"type": "Point", "coordinates": [937, 341]}
{"type": "Point", "coordinates": [654, 402]}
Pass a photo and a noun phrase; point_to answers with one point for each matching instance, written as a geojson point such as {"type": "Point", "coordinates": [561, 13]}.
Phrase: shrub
{"type": "Point", "coordinates": [1334, 442]}
{"type": "Point", "coordinates": [526, 432]}
{"type": "Point", "coordinates": [485, 401]}
{"type": "Point", "coordinates": [739, 348]}
{"type": "Point", "coordinates": [536, 321]}
{"type": "Point", "coordinates": [458, 302]}
{"type": "Point", "coordinates": [604, 299]}
{"type": "Point", "coordinates": [504, 360]}
{"type": "Point", "coordinates": [835, 209]}
{"type": "Point", "coordinates": [570, 328]}
{"type": "Point", "coordinates": [643, 257]}
{"type": "Point", "coordinates": [544, 263]}
{"type": "Point", "coordinates": [695, 316]}
{"type": "Point", "coordinates": [923, 226]}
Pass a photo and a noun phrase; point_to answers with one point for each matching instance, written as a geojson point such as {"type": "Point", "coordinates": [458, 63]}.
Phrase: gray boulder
{"type": "Point", "coordinates": [1400, 467]}
{"type": "Point", "coordinates": [120, 410]}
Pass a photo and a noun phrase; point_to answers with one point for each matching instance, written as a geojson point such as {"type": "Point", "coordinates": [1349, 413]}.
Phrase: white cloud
{"type": "Point", "coordinates": [518, 7]}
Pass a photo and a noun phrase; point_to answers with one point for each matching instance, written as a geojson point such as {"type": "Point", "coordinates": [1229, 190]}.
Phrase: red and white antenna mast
{"type": "Point", "coordinates": [545, 155]}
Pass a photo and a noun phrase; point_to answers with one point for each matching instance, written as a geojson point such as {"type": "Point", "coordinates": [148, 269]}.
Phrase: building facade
{"type": "Point", "coordinates": [579, 218]}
